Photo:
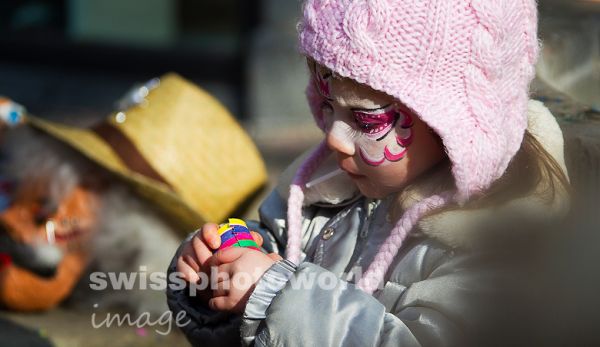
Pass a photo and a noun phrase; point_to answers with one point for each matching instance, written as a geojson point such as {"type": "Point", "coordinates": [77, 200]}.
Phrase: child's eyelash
{"type": "Point", "coordinates": [353, 133]}
{"type": "Point", "coordinates": [364, 122]}
{"type": "Point", "coordinates": [371, 128]}
{"type": "Point", "coordinates": [372, 122]}
{"type": "Point", "coordinates": [370, 110]}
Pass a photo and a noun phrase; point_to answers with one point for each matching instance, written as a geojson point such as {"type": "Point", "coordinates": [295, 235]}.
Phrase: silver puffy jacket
{"type": "Point", "coordinates": [438, 291]}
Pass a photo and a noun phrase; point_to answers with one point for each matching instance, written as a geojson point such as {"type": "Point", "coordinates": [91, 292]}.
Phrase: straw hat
{"type": "Point", "coordinates": [177, 146]}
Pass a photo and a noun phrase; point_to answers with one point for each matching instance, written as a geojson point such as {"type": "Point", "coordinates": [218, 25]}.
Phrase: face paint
{"type": "Point", "coordinates": [323, 79]}
{"type": "Point", "coordinates": [369, 132]}
{"type": "Point", "coordinates": [386, 135]}
{"type": "Point", "coordinates": [379, 135]}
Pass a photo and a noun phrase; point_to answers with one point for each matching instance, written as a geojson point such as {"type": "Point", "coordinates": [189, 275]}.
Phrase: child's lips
{"type": "Point", "coordinates": [350, 172]}
{"type": "Point", "coordinates": [354, 176]}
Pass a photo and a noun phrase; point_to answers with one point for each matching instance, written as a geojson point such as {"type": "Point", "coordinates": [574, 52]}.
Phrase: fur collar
{"type": "Point", "coordinates": [467, 227]}
{"type": "Point", "coordinates": [460, 227]}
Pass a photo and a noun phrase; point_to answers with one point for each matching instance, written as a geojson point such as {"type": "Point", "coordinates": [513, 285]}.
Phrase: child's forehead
{"type": "Point", "coordinates": [347, 92]}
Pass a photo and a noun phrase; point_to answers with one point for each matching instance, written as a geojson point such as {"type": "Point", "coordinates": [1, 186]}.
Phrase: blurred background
{"type": "Point", "coordinates": [70, 60]}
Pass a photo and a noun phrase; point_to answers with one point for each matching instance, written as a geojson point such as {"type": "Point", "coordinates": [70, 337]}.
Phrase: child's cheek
{"type": "Point", "coordinates": [344, 136]}
{"type": "Point", "coordinates": [390, 148]}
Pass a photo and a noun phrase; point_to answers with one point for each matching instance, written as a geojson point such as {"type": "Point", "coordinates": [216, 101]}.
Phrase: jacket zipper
{"type": "Point", "coordinates": [364, 232]}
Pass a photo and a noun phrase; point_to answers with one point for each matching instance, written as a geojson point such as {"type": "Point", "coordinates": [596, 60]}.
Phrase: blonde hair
{"type": "Point", "coordinates": [531, 171]}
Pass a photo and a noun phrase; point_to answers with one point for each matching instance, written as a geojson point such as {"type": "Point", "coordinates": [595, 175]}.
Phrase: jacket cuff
{"type": "Point", "coordinates": [270, 284]}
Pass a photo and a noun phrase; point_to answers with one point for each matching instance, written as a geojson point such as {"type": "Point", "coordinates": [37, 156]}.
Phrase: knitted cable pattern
{"type": "Point", "coordinates": [497, 79]}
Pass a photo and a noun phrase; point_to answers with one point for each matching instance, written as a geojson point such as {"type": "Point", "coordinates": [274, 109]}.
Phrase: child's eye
{"type": "Point", "coordinates": [374, 123]}
{"type": "Point", "coordinates": [366, 126]}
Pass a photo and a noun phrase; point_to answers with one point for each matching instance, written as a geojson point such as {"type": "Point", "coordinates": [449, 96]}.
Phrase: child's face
{"type": "Point", "coordinates": [379, 142]}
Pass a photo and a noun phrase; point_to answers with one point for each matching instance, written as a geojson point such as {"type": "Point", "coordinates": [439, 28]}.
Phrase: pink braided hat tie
{"type": "Point", "coordinates": [294, 208]}
{"type": "Point", "coordinates": [374, 275]}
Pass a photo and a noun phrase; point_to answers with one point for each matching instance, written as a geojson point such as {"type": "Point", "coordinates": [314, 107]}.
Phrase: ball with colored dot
{"type": "Point", "coordinates": [236, 234]}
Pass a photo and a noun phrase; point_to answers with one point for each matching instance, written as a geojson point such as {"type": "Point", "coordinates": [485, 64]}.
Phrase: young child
{"type": "Point", "coordinates": [424, 107]}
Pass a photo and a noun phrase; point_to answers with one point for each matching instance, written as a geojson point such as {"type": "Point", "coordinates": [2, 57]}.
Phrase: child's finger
{"type": "Point", "coordinates": [201, 250]}
{"type": "Point", "coordinates": [191, 262]}
{"type": "Point", "coordinates": [257, 238]}
{"type": "Point", "coordinates": [210, 235]}
{"type": "Point", "coordinates": [186, 271]}
{"type": "Point", "coordinates": [189, 256]}
{"type": "Point", "coordinates": [219, 303]}
{"type": "Point", "coordinates": [222, 289]}
{"type": "Point", "coordinates": [274, 256]}
{"type": "Point", "coordinates": [228, 255]}
{"type": "Point", "coordinates": [222, 274]}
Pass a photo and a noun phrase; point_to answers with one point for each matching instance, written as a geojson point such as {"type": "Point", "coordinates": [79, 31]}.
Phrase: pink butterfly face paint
{"type": "Point", "coordinates": [386, 133]}
{"type": "Point", "coordinates": [370, 132]}
{"type": "Point", "coordinates": [379, 135]}
{"type": "Point", "coordinates": [323, 80]}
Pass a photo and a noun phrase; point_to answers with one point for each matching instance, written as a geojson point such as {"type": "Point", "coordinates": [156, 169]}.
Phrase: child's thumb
{"type": "Point", "coordinates": [274, 256]}
{"type": "Point", "coordinates": [257, 238]}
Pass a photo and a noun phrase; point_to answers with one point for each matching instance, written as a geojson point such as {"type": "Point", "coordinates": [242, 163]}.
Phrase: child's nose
{"type": "Point", "coordinates": [338, 142]}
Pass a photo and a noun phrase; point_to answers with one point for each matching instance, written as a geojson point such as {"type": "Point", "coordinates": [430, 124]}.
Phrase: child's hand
{"type": "Point", "coordinates": [196, 252]}
{"type": "Point", "coordinates": [243, 268]}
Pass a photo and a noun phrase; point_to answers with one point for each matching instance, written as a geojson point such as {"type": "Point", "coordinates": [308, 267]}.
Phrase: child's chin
{"type": "Point", "coordinates": [371, 192]}
{"type": "Point", "coordinates": [375, 192]}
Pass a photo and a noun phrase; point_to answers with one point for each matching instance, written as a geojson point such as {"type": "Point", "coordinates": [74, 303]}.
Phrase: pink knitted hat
{"type": "Point", "coordinates": [463, 66]}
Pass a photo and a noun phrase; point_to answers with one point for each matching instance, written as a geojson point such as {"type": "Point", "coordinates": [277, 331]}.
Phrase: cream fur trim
{"type": "Point", "coordinates": [463, 228]}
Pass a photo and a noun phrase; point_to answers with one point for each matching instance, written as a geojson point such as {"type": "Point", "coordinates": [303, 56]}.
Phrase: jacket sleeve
{"type": "Point", "coordinates": [201, 325]}
{"type": "Point", "coordinates": [296, 310]}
